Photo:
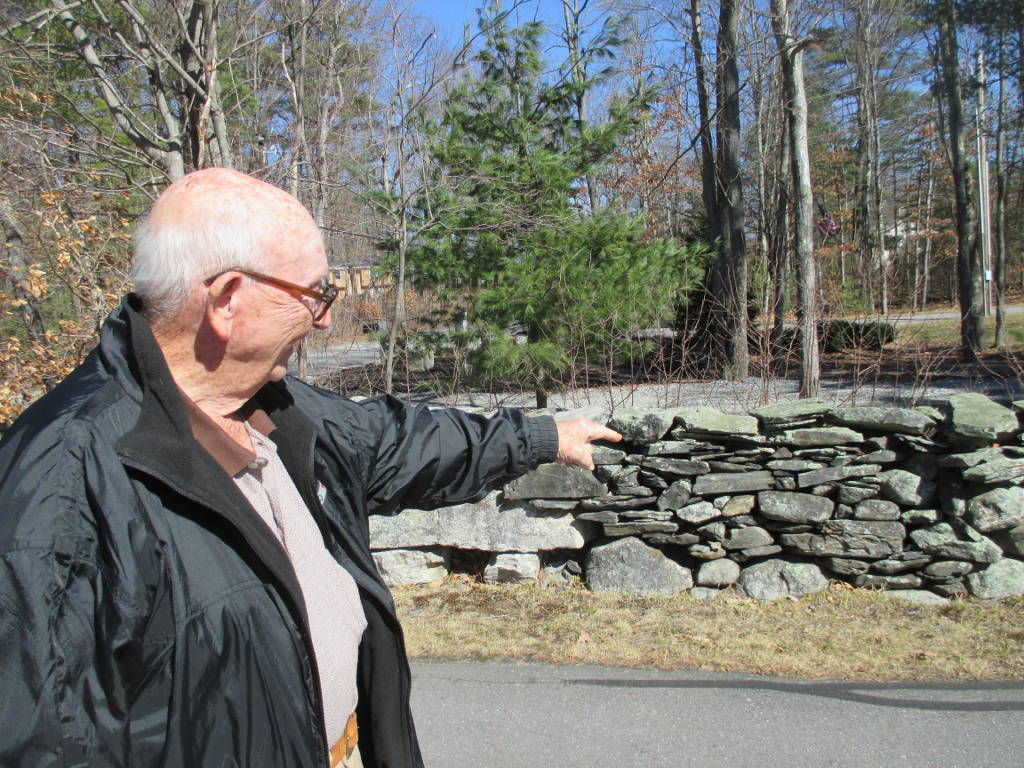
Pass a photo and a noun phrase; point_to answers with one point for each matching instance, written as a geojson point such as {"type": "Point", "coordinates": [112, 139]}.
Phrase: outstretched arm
{"type": "Point", "coordinates": [575, 438]}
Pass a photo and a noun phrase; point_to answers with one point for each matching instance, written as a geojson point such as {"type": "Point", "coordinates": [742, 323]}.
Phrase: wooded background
{"type": "Point", "coordinates": [547, 192]}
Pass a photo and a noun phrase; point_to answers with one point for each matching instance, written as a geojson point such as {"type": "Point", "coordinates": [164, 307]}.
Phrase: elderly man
{"type": "Point", "coordinates": [186, 576]}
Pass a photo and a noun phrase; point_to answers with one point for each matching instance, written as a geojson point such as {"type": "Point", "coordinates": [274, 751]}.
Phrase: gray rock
{"type": "Point", "coordinates": [676, 467]}
{"type": "Point", "coordinates": [845, 566]}
{"type": "Point", "coordinates": [853, 494]}
{"type": "Point", "coordinates": [709, 550]}
{"type": "Point", "coordinates": [615, 502]}
{"type": "Point", "coordinates": [643, 425]}
{"type": "Point", "coordinates": [605, 455]}
{"type": "Point", "coordinates": [699, 512]}
{"type": "Point", "coordinates": [636, 527]}
{"type": "Point", "coordinates": [744, 555]}
{"type": "Point", "coordinates": [968, 460]}
{"type": "Point", "coordinates": [976, 420]}
{"type": "Point", "coordinates": [553, 505]}
{"type": "Point", "coordinates": [944, 570]}
{"type": "Point", "coordinates": [630, 566]}
{"type": "Point", "coordinates": [833, 474]}
{"type": "Point", "coordinates": [920, 516]}
{"type": "Point", "coordinates": [645, 514]}
{"type": "Point", "coordinates": [792, 413]}
{"type": "Point", "coordinates": [713, 532]}
{"type": "Point", "coordinates": [653, 481]}
{"type": "Point", "coordinates": [793, 465]}
{"type": "Point", "coordinates": [601, 516]}
{"type": "Point", "coordinates": [512, 568]}
{"type": "Point", "coordinates": [901, 581]}
{"type": "Point", "coordinates": [399, 567]}
{"type": "Point", "coordinates": [705, 593]}
{"type": "Point", "coordinates": [785, 483]}
{"type": "Point", "coordinates": [883, 456]}
{"type": "Point", "coordinates": [738, 505]}
{"type": "Point", "coordinates": [1000, 470]}
{"type": "Point", "coordinates": [718, 573]}
{"type": "Point", "coordinates": [943, 541]}
{"type": "Point", "coordinates": [818, 436]}
{"type": "Point", "coordinates": [775, 579]}
{"type": "Point", "coordinates": [917, 596]}
{"type": "Point", "coordinates": [997, 510]}
{"type": "Point", "coordinates": [676, 495]}
{"type": "Point", "coordinates": [480, 526]}
{"type": "Point", "coordinates": [1011, 541]}
{"type": "Point", "coordinates": [676, 447]}
{"type": "Point", "coordinates": [878, 419]}
{"type": "Point", "coordinates": [876, 509]}
{"type": "Point", "coordinates": [555, 481]}
{"type": "Point", "coordinates": [794, 507]}
{"type": "Point", "coordinates": [955, 588]}
{"type": "Point", "coordinates": [909, 560]}
{"type": "Point", "coordinates": [1004, 578]}
{"type": "Point", "coordinates": [708, 421]}
{"type": "Point", "coordinates": [732, 482]}
{"type": "Point", "coordinates": [848, 538]}
{"type": "Point", "coordinates": [906, 488]}
{"type": "Point", "coordinates": [671, 539]}
{"type": "Point", "coordinates": [748, 538]}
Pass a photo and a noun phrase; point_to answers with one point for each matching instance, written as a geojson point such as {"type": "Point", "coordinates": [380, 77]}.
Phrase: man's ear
{"type": "Point", "coordinates": [222, 304]}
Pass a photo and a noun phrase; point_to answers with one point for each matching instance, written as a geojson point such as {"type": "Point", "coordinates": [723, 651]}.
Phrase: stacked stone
{"type": "Point", "coordinates": [926, 501]}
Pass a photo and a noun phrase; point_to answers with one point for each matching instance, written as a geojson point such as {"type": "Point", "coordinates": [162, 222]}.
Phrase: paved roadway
{"type": "Point", "coordinates": [510, 715]}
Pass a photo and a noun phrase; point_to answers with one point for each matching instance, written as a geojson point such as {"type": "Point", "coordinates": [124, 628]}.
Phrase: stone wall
{"type": "Point", "coordinates": [927, 501]}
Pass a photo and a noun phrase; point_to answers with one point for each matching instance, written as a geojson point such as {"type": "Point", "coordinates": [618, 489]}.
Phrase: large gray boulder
{"type": "Point", "coordinates": [997, 510]}
{"type": "Point", "coordinates": [1001, 579]}
{"type": "Point", "coordinates": [976, 420]}
{"type": "Point", "coordinates": [718, 573]}
{"type": "Point", "coordinates": [480, 526]}
{"type": "Point", "coordinates": [775, 579]}
{"type": "Point", "coordinates": [794, 507]}
{"type": "Point", "coordinates": [555, 481]}
{"type": "Point", "coordinates": [877, 419]}
{"type": "Point", "coordinates": [400, 567]}
{"type": "Point", "coordinates": [630, 566]}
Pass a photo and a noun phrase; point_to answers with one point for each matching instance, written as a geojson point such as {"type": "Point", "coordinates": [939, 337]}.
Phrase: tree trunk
{"type": "Point", "coordinates": [17, 272]}
{"type": "Point", "coordinates": [1000, 223]}
{"type": "Point", "coordinates": [729, 280]}
{"type": "Point", "coordinates": [791, 56]}
{"type": "Point", "coordinates": [969, 277]}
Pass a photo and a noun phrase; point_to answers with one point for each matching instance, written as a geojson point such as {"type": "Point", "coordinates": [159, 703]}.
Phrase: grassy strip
{"type": "Point", "coordinates": [947, 332]}
{"type": "Point", "coordinates": [840, 633]}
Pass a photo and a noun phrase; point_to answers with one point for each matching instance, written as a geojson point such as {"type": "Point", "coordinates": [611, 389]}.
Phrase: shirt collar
{"type": "Point", "coordinates": [231, 456]}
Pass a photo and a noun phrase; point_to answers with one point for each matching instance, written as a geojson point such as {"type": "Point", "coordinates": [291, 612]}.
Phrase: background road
{"type": "Point", "coordinates": [507, 715]}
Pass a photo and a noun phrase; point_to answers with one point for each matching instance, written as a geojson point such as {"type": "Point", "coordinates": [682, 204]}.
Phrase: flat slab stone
{"type": "Point", "coordinates": [628, 565]}
{"type": "Point", "coordinates": [999, 470]}
{"type": "Point", "coordinates": [976, 419]}
{"type": "Point", "coordinates": [779, 415]}
{"type": "Point", "coordinates": [943, 541]}
{"type": "Point", "coordinates": [712, 422]}
{"type": "Point", "coordinates": [820, 436]}
{"type": "Point", "coordinates": [866, 539]}
{"type": "Point", "coordinates": [881, 419]}
{"type": "Point", "coordinates": [833, 474]}
{"type": "Point", "coordinates": [482, 526]}
{"type": "Point", "coordinates": [555, 481]}
{"type": "Point", "coordinates": [676, 467]}
{"type": "Point", "coordinates": [732, 482]}
{"type": "Point", "coordinates": [906, 488]}
{"type": "Point", "coordinates": [794, 507]}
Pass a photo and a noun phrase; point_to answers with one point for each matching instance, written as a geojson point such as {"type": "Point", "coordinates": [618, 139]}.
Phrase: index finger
{"type": "Point", "coordinates": [600, 432]}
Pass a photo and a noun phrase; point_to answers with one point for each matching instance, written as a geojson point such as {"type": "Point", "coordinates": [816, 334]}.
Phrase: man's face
{"type": "Point", "coordinates": [276, 319]}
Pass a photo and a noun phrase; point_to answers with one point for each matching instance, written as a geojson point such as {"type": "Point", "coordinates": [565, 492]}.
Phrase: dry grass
{"type": "Point", "coordinates": [840, 633]}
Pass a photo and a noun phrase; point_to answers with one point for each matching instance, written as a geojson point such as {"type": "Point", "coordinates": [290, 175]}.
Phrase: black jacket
{"type": "Point", "coordinates": [148, 617]}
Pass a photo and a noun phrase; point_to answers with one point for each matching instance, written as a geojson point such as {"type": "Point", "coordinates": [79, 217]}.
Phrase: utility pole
{"type": "Point", "coordinates": [984, 208]}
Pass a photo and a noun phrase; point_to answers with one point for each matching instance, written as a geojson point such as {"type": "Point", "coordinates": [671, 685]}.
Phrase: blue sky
{"type": "Point", "coordinates": [452, 15]}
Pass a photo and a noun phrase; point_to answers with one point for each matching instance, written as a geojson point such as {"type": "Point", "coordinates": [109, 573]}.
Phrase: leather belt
{"type": "Point", "coordinates": [346, 743]}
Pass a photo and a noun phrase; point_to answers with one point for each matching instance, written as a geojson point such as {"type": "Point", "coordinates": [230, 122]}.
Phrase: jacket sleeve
{"type": "Point", "coordinates": [430, 458]}
{"type": "Point", "coordinates": [69, 627]}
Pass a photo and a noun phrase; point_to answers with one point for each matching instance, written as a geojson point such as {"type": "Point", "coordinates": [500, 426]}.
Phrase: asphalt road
{"type": "Point", "coordinates": [508, 715]}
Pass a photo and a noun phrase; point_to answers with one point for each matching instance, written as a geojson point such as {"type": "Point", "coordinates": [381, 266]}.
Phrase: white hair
{"type": "Point", "coordinates": [173, 258]}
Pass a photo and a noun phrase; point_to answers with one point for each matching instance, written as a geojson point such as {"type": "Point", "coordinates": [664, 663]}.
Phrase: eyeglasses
{"type": "Point", "coordinates": [325, 293]}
